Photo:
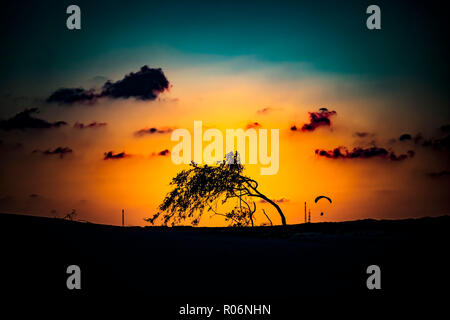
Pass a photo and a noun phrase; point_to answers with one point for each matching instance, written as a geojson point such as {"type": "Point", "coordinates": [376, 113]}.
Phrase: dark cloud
{"type": "Point", "coordinates": [24, 120]}
{"type": "Point", "coordinates": [265, 110]}
{"type": "Point", "coordinates": [111, 155]}
{"type": "Point", "coordinates": [94, 124]}
{"type": "Point", "coordinates": [363, 134]}
{"type": "Point", "coordinates": [145, 84]}
{"type": "Point", "coordinates": [405, 136]}
{"type": "Point", "coordinates": [394, 157]}
{"type": "Point", "coordinates": [146, 131]}
{"type": "Point", "coordinates": [61, 151]}
{"type": "Point", "coordinates": [163, 153]}
{"type": "Point", "coordinates": [440, 174]}
{"type": "Point", "coordinates": [72, 95]}
{"type": "Point", "coordinates": [363, 153]}
{"type": "Point", "coordinates": [440, 141]}
{"type": "Point", "coordinates": [317, 119]}
{"type": "Point", "coordinates": [281, 200]}
{"type": "Point", "coordinates": [253, 125]}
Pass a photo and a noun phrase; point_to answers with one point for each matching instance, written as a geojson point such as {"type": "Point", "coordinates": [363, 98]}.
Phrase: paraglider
{"type": "Point", "coordinates": [308, 219]}
{"type": "Point", "coordinates": [320, 197]}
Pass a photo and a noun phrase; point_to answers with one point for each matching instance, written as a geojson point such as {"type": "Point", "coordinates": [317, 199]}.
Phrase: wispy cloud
{"type": "Point", "coordinates": [115, 156]}
{"type": "Point", "coordinates": [363, 153]}
{"type": "Point", "coordinates": [362, 134]}
{"type": "Point", "coordinates": [163, 153]}
{"type": "Point", "coordinates": [265, 110]}
{"type": "Point", "coordinates": [440, 141]}
{"type": "Point", "coordinates": [281, 200]}
{"type": "Point", "coordinates": [253, 125]}
{"type": "Point", "coordinates": [24, 120]}
{"type": "Point", "coordinates": [153, 130]}
{"type": "Point", "coordinates": [316, 119]}
{"type": "Point", "coordinates": [61, 151]}
{"type": "Point", "coordinates": [91, 125]}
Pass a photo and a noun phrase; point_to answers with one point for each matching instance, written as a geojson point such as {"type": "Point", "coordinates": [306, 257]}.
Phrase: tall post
{"type": "Point", "coordinates": [309, 216]}
{"type": "Point", "coordinates": [123, 217]}
{"type": "Point", "coordinates": [305, 212]}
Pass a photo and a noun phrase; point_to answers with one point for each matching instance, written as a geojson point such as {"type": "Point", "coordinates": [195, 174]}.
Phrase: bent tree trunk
{"type": "Point", "coordinates": [283, 219]}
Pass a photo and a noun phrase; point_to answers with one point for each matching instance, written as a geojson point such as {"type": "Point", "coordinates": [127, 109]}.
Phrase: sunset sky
{"type": "Point", "coordinates": [228, 64]}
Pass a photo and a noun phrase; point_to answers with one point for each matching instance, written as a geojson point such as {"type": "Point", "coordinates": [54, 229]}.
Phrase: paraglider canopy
{"type": "Point", "coordinates": [320, 197]}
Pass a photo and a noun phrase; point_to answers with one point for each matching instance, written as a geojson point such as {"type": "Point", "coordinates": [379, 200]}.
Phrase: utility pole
{"type": "Point", "coordinates": [123, 217]}
{"type": "Point", "coordinates": [309, 215]}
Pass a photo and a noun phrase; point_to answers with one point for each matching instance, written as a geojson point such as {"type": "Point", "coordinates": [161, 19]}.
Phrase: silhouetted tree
{"type": "Point", "coordinates": [201, 188]}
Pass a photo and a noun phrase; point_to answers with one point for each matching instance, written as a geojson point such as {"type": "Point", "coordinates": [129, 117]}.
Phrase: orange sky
{"type": "Point", "coordinates": [99, 189]}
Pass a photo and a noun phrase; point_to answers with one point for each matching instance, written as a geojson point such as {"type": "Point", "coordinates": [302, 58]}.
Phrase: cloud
{"type": "Point", "coordinates": [265, 110]}
{"type": "Point", "coordinates": [404, 137]}
{"type": "Point", "coordinates": [394, 157]}
{"type": "Point", "coordinates": [363, 153]}
{"type": "Point", "coordinates": [316, 119]}
{"type": "Point", "coordinates": [163, 153]}
{"type": "Point", "coordinates": [146, 131]}
{"type": "Point", "coordinates": [253, 125]}
{"type": "Point", "coordinates": [440, 142]}
{"type": "Point", "coordinates": [72, 95]}
{"type": "Point", "coordinates": [281, 200]}
{"type": "Point", "coordinates": [360, 134]}
{"type": "Point", "coordinates": [111, 155]}
{"type": "Point", "coordinates": [145, 84]}
{"type": "Point", "coordinates": [94, 124]}
{"type": "Point", "coordinates": [440, 174]}
{"type": "Point", "coordinates": [61, 151]}
{"type": "Point", "coordinates": [24, 120]}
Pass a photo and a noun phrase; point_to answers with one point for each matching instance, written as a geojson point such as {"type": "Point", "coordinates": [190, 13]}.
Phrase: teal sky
{"type": "Point", "coordinates": [327, 36]}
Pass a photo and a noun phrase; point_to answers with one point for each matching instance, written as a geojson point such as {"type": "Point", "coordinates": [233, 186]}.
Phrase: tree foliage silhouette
{"type": "Point", "coordinates": [202, 188]}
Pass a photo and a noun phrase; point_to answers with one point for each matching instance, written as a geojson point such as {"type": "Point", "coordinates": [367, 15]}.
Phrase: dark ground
{"type": "Point", "coordinates": [319, 259]}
